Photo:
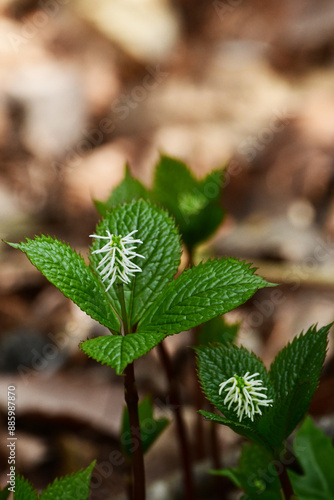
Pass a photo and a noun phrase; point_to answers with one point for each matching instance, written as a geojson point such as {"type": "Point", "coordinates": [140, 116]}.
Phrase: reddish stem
{"type": "Point", "coordinates": [180, 425]}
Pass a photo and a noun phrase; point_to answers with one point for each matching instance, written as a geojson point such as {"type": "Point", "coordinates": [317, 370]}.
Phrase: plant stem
{"type": "Point", "coordinates": [131, 399]}
{"type": "Point", "coordinates": [216, 463]}
{"type": "Point", "coordinates": [180, 425]}
{"type": "Point", "coordinates": [120, 291]}
{"type": "Point", "coordinates": [129, 481]}
{"type": "Point", "coordinates": [285, 482]}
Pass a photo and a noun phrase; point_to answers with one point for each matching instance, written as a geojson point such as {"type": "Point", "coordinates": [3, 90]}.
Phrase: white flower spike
{"type": "Point", "coordinates": [117, 263]}
{"type": "Point", "coordinates": [245, 392]}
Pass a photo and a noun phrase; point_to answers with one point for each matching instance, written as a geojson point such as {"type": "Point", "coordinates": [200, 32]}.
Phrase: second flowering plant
{"type": "Point", "coordinates": [262, 406]}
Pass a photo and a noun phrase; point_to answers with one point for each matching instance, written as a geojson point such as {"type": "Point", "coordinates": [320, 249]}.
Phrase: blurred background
{"type": "Point", "coordinates": [86, 87]}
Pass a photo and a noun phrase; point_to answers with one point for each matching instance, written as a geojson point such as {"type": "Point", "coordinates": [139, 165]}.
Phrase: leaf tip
{"type": "Point", "coordinates": [14, 245]}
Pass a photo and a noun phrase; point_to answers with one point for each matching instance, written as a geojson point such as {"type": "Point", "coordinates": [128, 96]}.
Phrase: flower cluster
{"type": "Point", "coordinates": [117, 263]}
{"type": "Point", "coordinates": [245, 392]}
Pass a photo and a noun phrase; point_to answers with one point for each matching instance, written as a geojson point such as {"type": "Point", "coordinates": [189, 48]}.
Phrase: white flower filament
{"type": "Point", "coordinates": [246, 393]}
{"type": "Point", "coordinates": [117, 263]}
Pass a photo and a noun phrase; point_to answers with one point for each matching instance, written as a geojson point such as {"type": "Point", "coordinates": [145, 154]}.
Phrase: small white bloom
{"type": "Point", "coordinates": [245, 392]}
{"type": "Point", "coordinates": [117, 263]}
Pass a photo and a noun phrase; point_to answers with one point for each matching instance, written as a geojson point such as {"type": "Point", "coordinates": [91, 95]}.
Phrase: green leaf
{"type": "Point", "coordinates": [240, 428]}
{"type": "Point", "coordinates": [161, 248]}
{"type": "Point", "coordinates": [129, 189]}
{"type": "Point", "coordinates": [4, 494]}
{"type": "Point", "coordinates": [150, 428]}
{"type": "Point", "coordinates": [255, 474]}
{"type": "Point", "coordinates": [194, 203]}
{"type": "Point", "coordinates": [295, 374]}
{"type": "Point", "coordinates": [218, 363]}
{"type": "Point", "coordinates": [201, 293]}
{"type": "Point", "coordinates": [24, 490]}
{"type": "Point", "coordinates": [67, 270]}
{"type": "Point", "coordinates": [117, 351]}
{"type": "Point", "coordinates": [217, 330]}
{"type": "Point", "coordinates": [74, 486]}
{"type": "Point", "coordinates": [71, 486]}
{"type": "Point", "coordinates": [315, 453]}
